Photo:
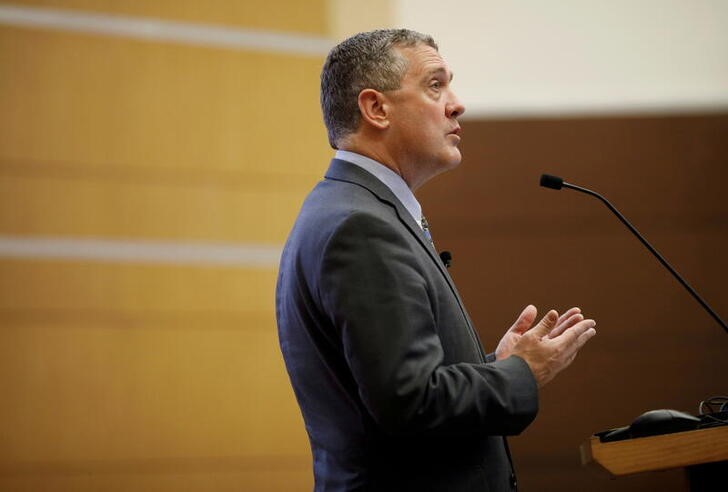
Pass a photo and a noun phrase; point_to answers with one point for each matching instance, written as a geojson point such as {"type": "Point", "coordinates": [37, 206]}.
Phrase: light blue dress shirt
{"type": "Point", "coordinates": [391, 180]}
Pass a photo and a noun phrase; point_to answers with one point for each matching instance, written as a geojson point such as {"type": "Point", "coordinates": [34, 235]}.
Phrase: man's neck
{"type": "Point", "coordinates": [384, 157]}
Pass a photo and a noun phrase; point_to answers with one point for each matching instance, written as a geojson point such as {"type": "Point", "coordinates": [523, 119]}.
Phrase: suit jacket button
{"type": "Point", "coordinates": [514, 483]}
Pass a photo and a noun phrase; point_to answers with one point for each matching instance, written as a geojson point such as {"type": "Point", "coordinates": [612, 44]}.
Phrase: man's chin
{"type": "Point", "coordinates": [451, 162]}
{"type": "Point", "coordinates": [454, 159]}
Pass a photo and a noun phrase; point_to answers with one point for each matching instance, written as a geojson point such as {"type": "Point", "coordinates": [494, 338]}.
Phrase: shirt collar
{"type": "Point", "coordinates": [391, 180]}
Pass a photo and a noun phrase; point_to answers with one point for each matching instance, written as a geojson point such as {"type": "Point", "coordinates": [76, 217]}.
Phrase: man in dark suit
{"type": "Point", "coordinates": [396, 391]}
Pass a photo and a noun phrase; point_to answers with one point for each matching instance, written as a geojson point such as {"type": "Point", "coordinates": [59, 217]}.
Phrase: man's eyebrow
{"type": "Point", "coordinates": [439, 70]}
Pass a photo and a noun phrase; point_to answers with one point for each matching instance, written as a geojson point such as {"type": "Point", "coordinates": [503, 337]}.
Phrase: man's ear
{"type": "Point", "coordinates": [374, 108]}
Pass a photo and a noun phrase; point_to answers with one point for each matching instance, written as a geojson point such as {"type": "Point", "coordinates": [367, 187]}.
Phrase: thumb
{"type": "Point", "coordinates": [546, 324]}
{"type": "Point", "coordinates": [525, 320]}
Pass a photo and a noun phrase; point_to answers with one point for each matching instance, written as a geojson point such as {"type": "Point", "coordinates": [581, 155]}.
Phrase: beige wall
{"type": "Point", "coordinates": [534, 57]}
{"type": "Point", "coordinates": [125, 375]}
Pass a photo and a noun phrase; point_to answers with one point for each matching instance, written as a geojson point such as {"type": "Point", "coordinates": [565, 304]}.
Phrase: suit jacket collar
{"type": "Point", "coordinates": [351, 173]}
{"type": "Point", "coordinates": [345, 171]}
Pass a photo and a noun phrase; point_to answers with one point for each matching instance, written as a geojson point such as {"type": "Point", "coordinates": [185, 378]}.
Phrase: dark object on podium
{"type": "Point", "coordinates": [702, 452]}
{"type": "Point", "coordinates": [664, 421]}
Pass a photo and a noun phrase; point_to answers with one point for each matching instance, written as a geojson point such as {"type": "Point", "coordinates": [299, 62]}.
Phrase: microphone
{"type": "Point", "coordinates": [556, 183]}
{"type": "Point", "coordinates": [553, 182]}
{"type": "Point", "coordinates": [446, 258]}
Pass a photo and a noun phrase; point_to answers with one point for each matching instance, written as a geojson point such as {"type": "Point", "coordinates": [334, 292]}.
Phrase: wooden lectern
{"type": "Point", "coordinates": [703, 453]}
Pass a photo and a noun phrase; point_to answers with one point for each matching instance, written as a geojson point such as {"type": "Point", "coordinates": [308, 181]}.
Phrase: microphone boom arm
{"type": "Point", "coordinates": [634, 231]}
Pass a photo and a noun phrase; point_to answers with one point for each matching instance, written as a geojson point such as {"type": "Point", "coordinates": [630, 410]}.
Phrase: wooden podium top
{"type": "Point", "coordinates": [662, 452]}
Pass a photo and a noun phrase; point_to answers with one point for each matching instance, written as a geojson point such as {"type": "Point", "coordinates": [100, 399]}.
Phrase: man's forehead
{"type": "Point", "coordinates": [425, 60]}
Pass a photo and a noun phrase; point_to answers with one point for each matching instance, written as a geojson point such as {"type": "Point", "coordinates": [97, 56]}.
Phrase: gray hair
{"type": "Point", "coordinates": [363, 61]}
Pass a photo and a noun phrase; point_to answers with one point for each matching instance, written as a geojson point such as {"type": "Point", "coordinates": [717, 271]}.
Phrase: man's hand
{"type": "Point", "coordinates": [551, 345]}
{"type": "Point", "coordinates": [524, 322]}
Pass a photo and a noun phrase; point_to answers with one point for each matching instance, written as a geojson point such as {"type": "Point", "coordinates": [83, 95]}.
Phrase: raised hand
{"type": "Point", "coordinates": [551, 346]}
{"type": "Point", "coordinates": [525, 321]}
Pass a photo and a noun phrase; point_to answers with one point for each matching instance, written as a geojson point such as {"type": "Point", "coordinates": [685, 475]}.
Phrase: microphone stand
{"type": "Point", "coordinates": [556, 183]}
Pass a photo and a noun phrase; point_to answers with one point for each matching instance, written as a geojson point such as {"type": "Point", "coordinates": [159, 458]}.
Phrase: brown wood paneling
{"type": "Point", "coordinates": [515, 243]}
{"type": "Point", "coordinates": [135, 376]}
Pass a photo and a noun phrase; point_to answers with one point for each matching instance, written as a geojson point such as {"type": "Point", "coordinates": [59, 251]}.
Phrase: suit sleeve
{"type": "Point", "coordinates": [378, 299]}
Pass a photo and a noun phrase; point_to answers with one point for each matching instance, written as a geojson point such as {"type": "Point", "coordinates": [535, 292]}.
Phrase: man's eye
{"type": "Point", "coordinates": [435, 84]}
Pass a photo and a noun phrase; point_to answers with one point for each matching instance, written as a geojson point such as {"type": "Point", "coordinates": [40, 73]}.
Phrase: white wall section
{"type": "Point", "coordinates": [140, 251]}
{"type": "Point", "coordinates": [534, 57]}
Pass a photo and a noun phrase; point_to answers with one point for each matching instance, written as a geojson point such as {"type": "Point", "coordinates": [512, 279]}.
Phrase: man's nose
{"type": "Point", "coordinates": [454, 108]}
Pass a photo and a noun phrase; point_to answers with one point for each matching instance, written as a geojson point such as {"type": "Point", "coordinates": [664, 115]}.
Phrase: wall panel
{"type": "Point", "coordinates": [122, 370]}
{"type": "Point", "coordinates": [130, 375]}
{"type": "Point", "coordinates": [514, 243]}
{"type": "Point", "coordinates": [75, 285]}
{"type": "Point", "coordinates": [157, 390]}
{"type": "Point", "coordinates": [252, 209]}
{"type": "Point", "coordinates": [279, 15]}
{"type": "Point", "coordinates": [271, 476]}
{"type": "Point", "coordinates": [100, 101]}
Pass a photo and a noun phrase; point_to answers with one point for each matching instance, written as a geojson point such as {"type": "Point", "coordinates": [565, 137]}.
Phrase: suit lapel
{"type": "Point", "coordinates": [351, 173]}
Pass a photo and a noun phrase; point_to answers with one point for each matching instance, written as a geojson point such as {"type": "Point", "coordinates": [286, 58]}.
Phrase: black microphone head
{"type": "Point", "coordinates": [553, 182]}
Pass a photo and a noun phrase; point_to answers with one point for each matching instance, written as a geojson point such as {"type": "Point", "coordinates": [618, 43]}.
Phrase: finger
{"type": "Point", "coordinates": [580, 341]}
{"type": "Point", "coordinates": [565, 325]}
{"type": "Point", "coordinates": [546, 324]}
{"type": "Point", "coordinates": [585, 337]}
{"type": "Point", "coordinates": [571, 336]}
{"type": "Point", "coordinates": [525, 320]}
{"type": "Point", "coordinates": [568, 314]}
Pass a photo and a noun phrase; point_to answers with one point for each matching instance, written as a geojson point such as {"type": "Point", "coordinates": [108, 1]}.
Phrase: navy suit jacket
{"type": "Point", "coordinates": [395, 389]}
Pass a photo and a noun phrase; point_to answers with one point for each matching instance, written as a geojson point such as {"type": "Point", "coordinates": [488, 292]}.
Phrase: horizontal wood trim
{"type": "Point", "coordinates": [244, 255]}
{"type": "Point", "coordinates": [279, 15]}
